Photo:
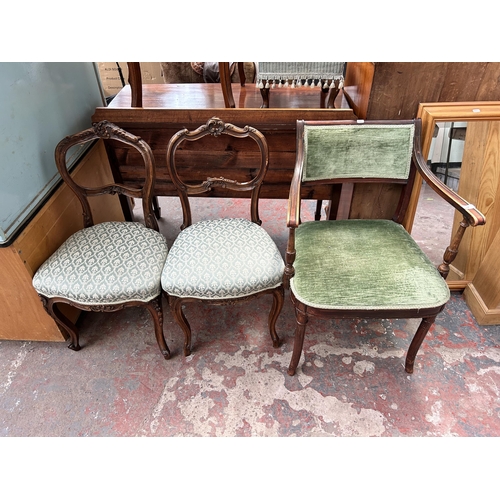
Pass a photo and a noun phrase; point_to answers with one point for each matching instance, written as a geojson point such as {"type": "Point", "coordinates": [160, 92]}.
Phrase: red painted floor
{"type": "Point", "coordinates": [350, 381]}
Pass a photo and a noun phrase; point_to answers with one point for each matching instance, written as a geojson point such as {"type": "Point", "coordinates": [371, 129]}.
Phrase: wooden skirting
{"type": "Point", "coordinates": [482, 314]}
{"type": "Point", "coordinates": [483, 293]}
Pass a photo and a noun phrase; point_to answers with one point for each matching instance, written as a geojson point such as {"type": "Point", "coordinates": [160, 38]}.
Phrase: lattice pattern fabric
{"type": "Point", "coordinates": [106, 264]}
{"type": "Point", "coordinates": [222, 259]}
{"type": "Point", "coordinates": [363, 264]}
{"type": "Point", "coordinates": [296, 74]}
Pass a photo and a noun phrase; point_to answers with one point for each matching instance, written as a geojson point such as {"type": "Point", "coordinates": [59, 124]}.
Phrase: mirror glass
{"type": "Point", "coordinates": [432, 227]}
{"type": "Point", "coordinates": [461, 142]}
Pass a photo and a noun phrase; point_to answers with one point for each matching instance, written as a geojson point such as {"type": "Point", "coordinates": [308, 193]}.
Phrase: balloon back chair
{"type": "Point", "coordinates": [354, 268]}
{"type": "Point", "coordinates": [110, 265]}
{"type": "Point", "coordinates": [226, 260]}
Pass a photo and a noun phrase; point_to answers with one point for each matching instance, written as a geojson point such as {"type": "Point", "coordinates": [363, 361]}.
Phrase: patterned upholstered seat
{"type": "Point", "coordinates": [222, 259]}
{"type": "Point", "coordinates": [356, 268]}
{"type": "Point", "coordinates": [109, 263]}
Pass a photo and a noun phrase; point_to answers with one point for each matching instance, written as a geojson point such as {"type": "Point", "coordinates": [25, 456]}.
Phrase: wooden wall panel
{"type": "Point", "coordinates": [483, 293]}
{"type": "Point", "coordinates": [399, 87]}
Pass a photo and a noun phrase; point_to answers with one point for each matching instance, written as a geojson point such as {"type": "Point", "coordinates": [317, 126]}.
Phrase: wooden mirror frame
{"type": "Point", "coordinates": [487, 237]}
{"type": "Point", "coordinates": [430, 114]}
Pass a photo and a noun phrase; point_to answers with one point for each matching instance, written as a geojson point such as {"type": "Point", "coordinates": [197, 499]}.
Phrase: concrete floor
{"type": "Point", "coordinates": [350, 382]}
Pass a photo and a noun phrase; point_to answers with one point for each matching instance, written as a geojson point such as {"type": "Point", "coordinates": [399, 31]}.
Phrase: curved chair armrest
{"type": "Point", "coordinates": [294, 197]}
{"type": "Point", "coordinates": [470, 213]}
{"type": "Point", "coordinates": [294, 201]}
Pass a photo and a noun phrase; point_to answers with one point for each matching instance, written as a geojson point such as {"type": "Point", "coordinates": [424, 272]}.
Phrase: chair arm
{"type": "Point", "coordinates": [294, 197]}
{"type": "Point", "coordinates": [292, 222]}
{"type": "Point", "coordinates": [294, 205]}
{"type": "Point", "coordinates": [470, 213]}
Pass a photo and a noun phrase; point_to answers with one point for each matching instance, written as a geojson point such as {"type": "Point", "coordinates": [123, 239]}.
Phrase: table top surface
{"type": "Point", "coordinates": [209, 95]}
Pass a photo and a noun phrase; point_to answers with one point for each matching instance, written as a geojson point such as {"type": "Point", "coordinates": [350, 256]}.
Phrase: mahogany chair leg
{"type": "Point", "coordinates": [225, 81]}
{"type": "Point", "coordinates": [331, 98]}
{"type": "Point", "coordinates": [265, 97]}
{"type": "Point", "coordinates": [156, 207]}
{"type": "Point", "coordinates": [278, 300]}
{"type": "Point", "coordinates": [422, 330]}
{"type": "Point", "coordinates": [135, 81]}
{"type": "Point", "coordinates": [176, 307]}
{"type": "Point", "coordinates": [319, 206]}
{"type": "Point", "coordinates": [298, 343]}
{"type": "Point", "coordinates": [63, 322]}
{"type": "Point", "coordinates": [322, 99]}
{"type": "Point", "coordinates": [241, 73]}
{"type": "Point", "coordinates": [156, 310]}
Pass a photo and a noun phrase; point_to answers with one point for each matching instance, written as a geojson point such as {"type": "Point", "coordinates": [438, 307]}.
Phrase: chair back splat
{"type": "Point", "coordinates": [364, 268]}
{"type": "Point", "coordinates": [111, 265]}
{"type": "Point", "coordinates": [227, 260]}
{"type": "Point", "coordinates": [216, 128]}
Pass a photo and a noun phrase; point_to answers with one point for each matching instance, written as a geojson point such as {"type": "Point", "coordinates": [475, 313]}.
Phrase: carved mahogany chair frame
{"type": "Point", "coordinates": [108, 131]}
{"type": "Point", "coordinates": [216, 127]}
{"type": "Point", "coordinates": [471, 217]}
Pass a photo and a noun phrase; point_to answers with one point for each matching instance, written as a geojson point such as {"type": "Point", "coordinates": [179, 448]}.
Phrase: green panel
{"type": "Point", "coordinates": [363, 264]}
{"type": "Point", "coordinates": [357, 151]}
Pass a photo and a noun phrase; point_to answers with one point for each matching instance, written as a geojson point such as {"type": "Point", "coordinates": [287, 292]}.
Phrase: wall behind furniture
{"type": "Point", "coordinates": [40, 104]}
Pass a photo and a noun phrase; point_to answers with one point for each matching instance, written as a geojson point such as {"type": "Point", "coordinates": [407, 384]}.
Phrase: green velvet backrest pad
{"type": "Point", "coordinates": [357, 151]}
{"type": "Point", "coordinates": [363, 264]}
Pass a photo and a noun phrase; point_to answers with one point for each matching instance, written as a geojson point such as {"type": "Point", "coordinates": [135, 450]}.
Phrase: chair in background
{"type": "Point", "coordinates": [111, 265]}
{"type": "Point", "coordinates": [327, 76]}
{"type": "Point", "coordinates": [353, 268]}
{"type": "Point", "coordinates": [225, 81]}
{"type": "Point", "coordinates": [226, 260]}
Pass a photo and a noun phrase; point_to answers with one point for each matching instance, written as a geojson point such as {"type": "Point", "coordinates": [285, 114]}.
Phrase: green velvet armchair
{"type": "Point", "coordinates": [353, 268]}
{"type": "Point", "coordinates": [225, 260]}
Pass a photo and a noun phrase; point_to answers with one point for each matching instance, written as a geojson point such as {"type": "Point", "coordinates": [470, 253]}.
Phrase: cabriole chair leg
{"type": "Point", "coordinates": [278, 301]}
{"type": "Point", "coordinates": [63, 322]}
{"type": "Point", "coordinates": [156, 310]}
{"type": "Point", "coordinates": [176, 306]}
{"type": "Point", "coordinates": [422, 330]}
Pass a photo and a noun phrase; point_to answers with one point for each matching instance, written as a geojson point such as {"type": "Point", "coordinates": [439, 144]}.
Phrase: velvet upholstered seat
{"type": "Point", "coordinates": [377, 265]}
{"type": "Point", "coordinates": [110, 265]}
{"type": "Point", "coordinates": [224, 260]}
{"type": "Point", "coordinates": [350, 268]}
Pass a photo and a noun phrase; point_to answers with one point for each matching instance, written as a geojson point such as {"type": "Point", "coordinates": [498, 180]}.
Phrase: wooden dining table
{"type": "Point", "coordinates": [167, 108]}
